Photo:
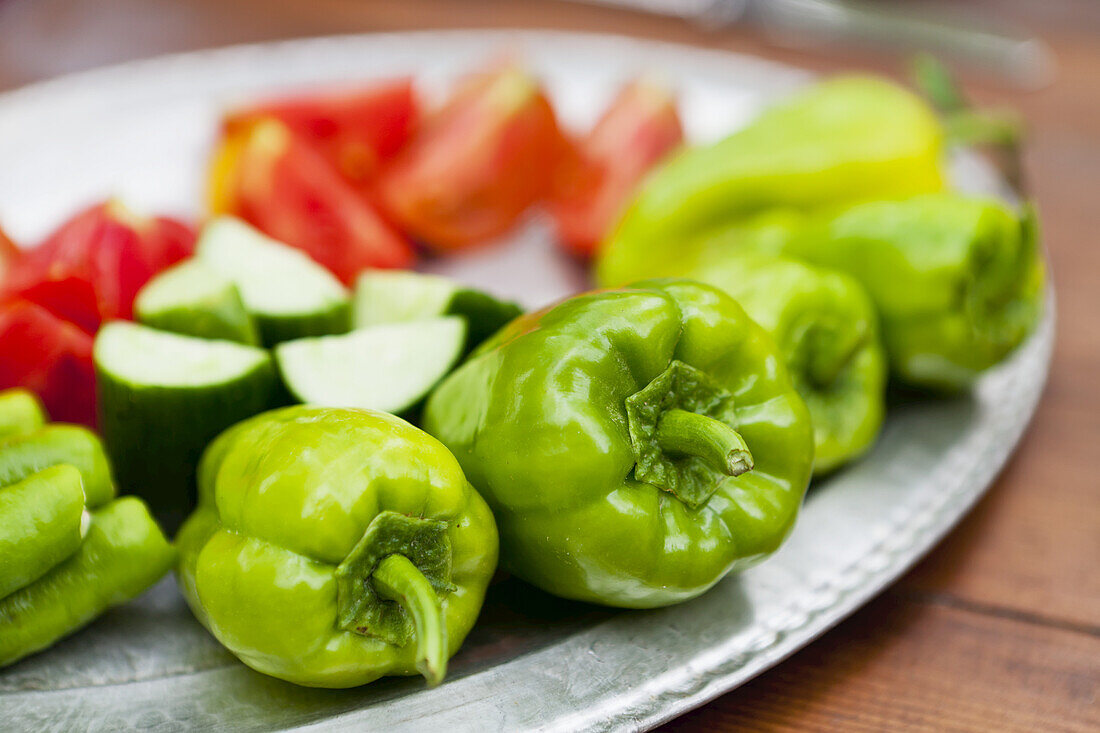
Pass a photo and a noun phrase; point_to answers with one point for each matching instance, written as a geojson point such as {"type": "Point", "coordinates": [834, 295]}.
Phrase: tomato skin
{"type": "Point", "coordinates": [91, 268]}
{"type": "Point", "coordinates": [49, 356]}
{"type": "Point", "coordinates": [356, 130]}
{"type": "Point", "coordinates": [477, 164]}
{"type": "Point", "coordinates": [638, 130]}
{"type": "Point", "coordinates": [9, 254]}
{"type": "Point", "coordinates": [282, 186]}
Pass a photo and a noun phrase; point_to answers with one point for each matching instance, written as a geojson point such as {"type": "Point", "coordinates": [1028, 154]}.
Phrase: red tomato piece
{"type": "Point", "coordinates": [91, 268]}
{"type": "Point", "coordinates": [285, 188]}
{"type": "Point", "coordinates": [636, 132]}
{"type": "Point", "coordinates": [354, 129]}
{"type": "Point", "coordinates": [477, 164]}
{"type": "Point", "coordinates": [9, 254]}
{"type": "Point", "coordinates": [49, 356]}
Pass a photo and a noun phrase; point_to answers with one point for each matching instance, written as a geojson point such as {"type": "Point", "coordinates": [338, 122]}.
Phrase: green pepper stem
{"type": "Point", "coordinates": [397, 579]}
{"type": "Point", "coordinates": [712, 441]}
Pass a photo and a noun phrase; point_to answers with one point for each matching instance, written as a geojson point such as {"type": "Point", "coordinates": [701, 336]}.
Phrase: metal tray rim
{"type": "Point", "coordinates": [964, 475]}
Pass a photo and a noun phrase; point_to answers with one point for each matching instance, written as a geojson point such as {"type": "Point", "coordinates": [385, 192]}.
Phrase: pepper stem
{"type": "Point", "coordinates": [397, 579]}
{"type": "Point", "coordinates": [712, 441]}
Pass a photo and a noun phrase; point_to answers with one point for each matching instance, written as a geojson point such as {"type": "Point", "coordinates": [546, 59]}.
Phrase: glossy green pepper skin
{"type": "Point", "coordinates": [958, 282]}
{"type": "Point", "coordinates": [20, 412]}
{"type": "Point", "coordinates": [62, 565]}
{"type": "Point", "coordinates": [826, 329]}
{"type": "Point", "coordinates": [636, 445]}
{"type": "Point", "coordinates": [41, 520]}
{"type": "Point", "coordinates": [122, 554]}
{"type": "Point", "coordinates": [311, 523]}
{"type": "Point", "coordinates": [27, 454]}
{"type": "Point", "coordinates": [844, 140]}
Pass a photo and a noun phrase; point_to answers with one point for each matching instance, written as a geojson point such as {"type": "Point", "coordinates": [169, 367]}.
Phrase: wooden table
{"type": "Point", "coordinates": [999, 628]}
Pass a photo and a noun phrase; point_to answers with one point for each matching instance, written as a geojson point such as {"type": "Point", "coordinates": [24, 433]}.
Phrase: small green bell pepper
{"type": "Point", "coordinates": [24, 455]}
{"type": "Point", "coordinates": [20, 412]}
{"type": "Point", "coordinates": [636, 445]}
{"type": "Point", "coordinates": [958, 282]}
{"type": "Point", "coordinates": [41, 519]}
{"type": "Point", "coordinates": [331, 547]}
{"type": "Point", "coordinates": [844, 140]}
{"type": "Point", "coordinates": [123, 553]}
{"type": "Point", "coordinates": [827, 331]}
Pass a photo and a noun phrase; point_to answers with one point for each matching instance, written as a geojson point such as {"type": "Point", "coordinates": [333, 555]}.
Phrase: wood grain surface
{"type": "Point", "coordinates": [999, 628]}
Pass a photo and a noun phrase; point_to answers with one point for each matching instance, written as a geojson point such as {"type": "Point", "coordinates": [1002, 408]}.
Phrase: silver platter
{"type": "Point", "coordinates": [142, 130]}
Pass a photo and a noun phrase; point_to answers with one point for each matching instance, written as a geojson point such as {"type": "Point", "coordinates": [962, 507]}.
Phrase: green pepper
{"type": "Point", "coordinates": [61, 566]}
{"type": "Point", "coordinates": [827, 331]}
{"type": "Point", "coordinates": [41, 520]}
{"type": "Point", "coordinates": [844, 140]}
{"type": "Point", "coordinates": [122, 554]}
{"type": "Point", "coordinates": [24, 455]}
{"type": "Point", "coordinates": [636, 445]}
{"type": "Point", "coordinates": [958, 281]}
{"type": "Point", "coordinates": [20, 412]}
{"type": "Point", "coordinates": [331, 547]}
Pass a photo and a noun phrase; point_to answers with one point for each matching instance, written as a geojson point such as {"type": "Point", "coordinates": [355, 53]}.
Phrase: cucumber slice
{"type": "Point", "coordinates": [387, 367]}
{"type": "Point", "coordinates": [193, 299]}
{"type": "Point", "coordinates": [395, 296]}
{"type": "Point", "coordinates": [20, 412]}
{"type": "Point", "coordinates": [288, 294]}
{"type": "Point", "coordinates": [162, 397]}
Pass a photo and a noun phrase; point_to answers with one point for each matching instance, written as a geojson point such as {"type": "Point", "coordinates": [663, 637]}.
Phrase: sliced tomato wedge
{"type": "Point", "coordinates": [636, 132]}
{"type": "Point", "coordinates": [49, 356]}
{"type": "Point", "coordinates": [91, 268]}
{"type": "Point", "coordinates": [354, 129]}
{"type": "Point", "coordinates": [477, 164]}
{"type": "Point", "coordinates": [282, 186]}
{"type": "Point", "coordinates": [9, 254]}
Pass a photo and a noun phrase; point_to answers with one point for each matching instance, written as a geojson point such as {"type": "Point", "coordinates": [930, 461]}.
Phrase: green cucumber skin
{"type": "Point", "coordinates": [155, 435]}
{"type": "Point", "coordinates": [123, 554]}
{"type": "Point", "coordinates": [41, 525]}
{"type": "Point", "coordinates": [194, 300]}
{"type": "Point", "coordinates": [20, 413]}
{"type": "Point", "coordinates": [484, 314]}
{"type": "Point", "coordinates": [239, 252]}
{"type": "Point", "coordinates": [277, 329]}
{"type": "Point", "coordinates": [24, 455]}
{"type": "Point", "coordinates": [223, 318]}
{"type": "Point", "coordinates": [205, 325]}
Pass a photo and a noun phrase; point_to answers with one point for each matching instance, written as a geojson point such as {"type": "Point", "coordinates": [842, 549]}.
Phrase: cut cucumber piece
{"type": "Point", "coordinates": [288, 294]}
{"type": "Point", "coordinates": [24, 455]}
{"type": "Point", "coordinates": [195, 300]}
{"type": "Point", "coordinates": [387, 367]}
{"type": "Point", "coordinates": [162, 397]}
{"type": "Point", "coordinates": [395, 296]}
{"type": "Point", "coordinates": [20, 412]}
{"type": "Point", "coordinates": [42, 521]}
